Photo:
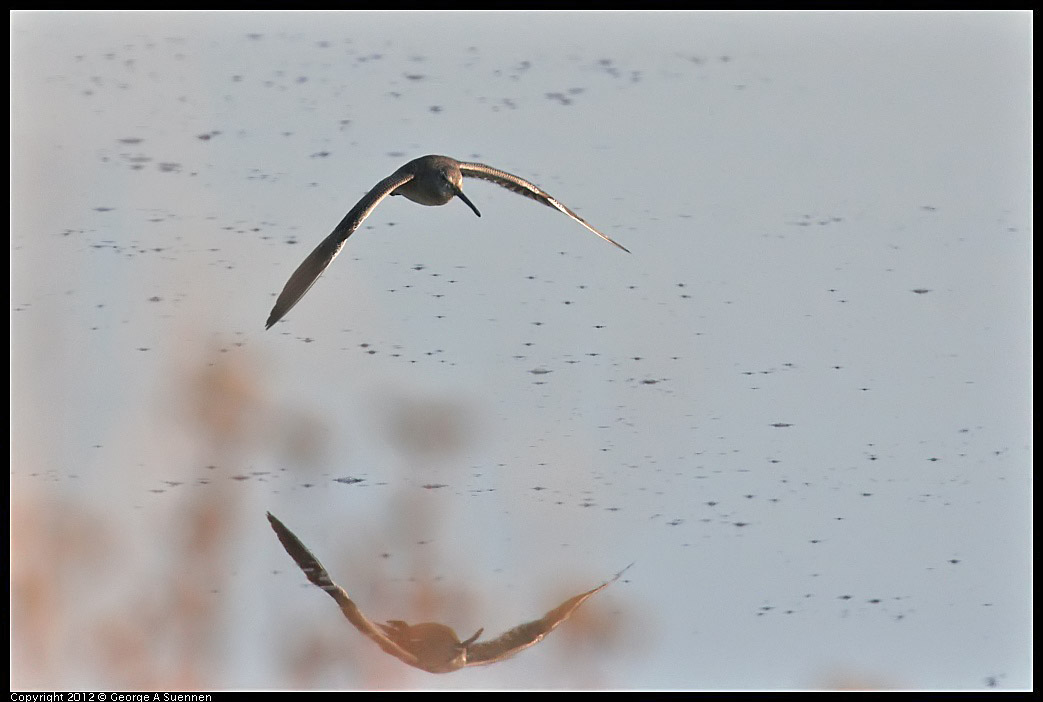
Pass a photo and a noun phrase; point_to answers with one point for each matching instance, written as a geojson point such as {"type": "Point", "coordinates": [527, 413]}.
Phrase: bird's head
{"type": "Point", "coordinates": [436, 646]}
{"type": "Point", "coordinates": [454, 180]}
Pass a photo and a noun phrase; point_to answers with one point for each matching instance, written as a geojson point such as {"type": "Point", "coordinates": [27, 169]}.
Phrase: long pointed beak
{"type": "Point", "coordinates": [460, 194]}
{"type": "Point", "coordinates": [465, 644]}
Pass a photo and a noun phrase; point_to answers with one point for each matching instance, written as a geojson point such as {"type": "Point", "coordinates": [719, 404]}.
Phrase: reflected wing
{"type": "Point", "coordinates": [530, 633]}
{"type": "Point", "coordinates": [313, 266]}
{"type": "Point", "coordinates": [529, 190]}
{"type": "Point", "coordinates": [318, 576]}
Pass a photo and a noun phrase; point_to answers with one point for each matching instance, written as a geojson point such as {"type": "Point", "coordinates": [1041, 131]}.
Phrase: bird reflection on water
{"type": "Point", "coordinates": [430, 646]}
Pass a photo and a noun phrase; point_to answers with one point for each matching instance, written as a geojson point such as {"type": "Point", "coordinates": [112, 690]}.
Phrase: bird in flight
{"type": "Point", "coordinates": [430, 646]}
{"type": "Point", "coordinates": [428, 180]}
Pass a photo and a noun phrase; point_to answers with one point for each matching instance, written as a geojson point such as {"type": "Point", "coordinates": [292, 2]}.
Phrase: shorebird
{"type": "Point", "coordinates": [430, 646]}
{"type": "Point", "coordinates": [428, 180]}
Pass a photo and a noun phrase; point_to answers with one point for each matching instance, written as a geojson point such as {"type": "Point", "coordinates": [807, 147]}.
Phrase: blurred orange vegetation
{"type": "Point", "coordinates": [95, 604]}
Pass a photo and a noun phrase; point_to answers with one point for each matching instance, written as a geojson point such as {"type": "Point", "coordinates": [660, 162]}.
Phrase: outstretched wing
{"type": "Point", "coordinates": [318, 576]}
{"type": "Point", "coordinates": [525, 635]}
{"type": "Point", "coordinates": [313, 266]}
{"type": "Point", "coordinates": [529, 190]}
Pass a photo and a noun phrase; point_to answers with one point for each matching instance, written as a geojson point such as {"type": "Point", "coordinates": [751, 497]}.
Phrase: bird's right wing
{"type": "Point", "coordinates": [313, 266]}
{"type": "Point", "coordinates": [319, 577]}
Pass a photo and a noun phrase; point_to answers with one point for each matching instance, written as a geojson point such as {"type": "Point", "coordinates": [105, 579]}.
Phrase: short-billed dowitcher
{"type": "Point", "coordinates": [429, 180]}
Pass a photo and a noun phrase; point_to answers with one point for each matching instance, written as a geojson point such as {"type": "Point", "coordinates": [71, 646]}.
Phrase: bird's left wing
{"type": "Point", "coordinates": [529, 190]}
{"type": "Point", "coordinates": [530, 633]}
